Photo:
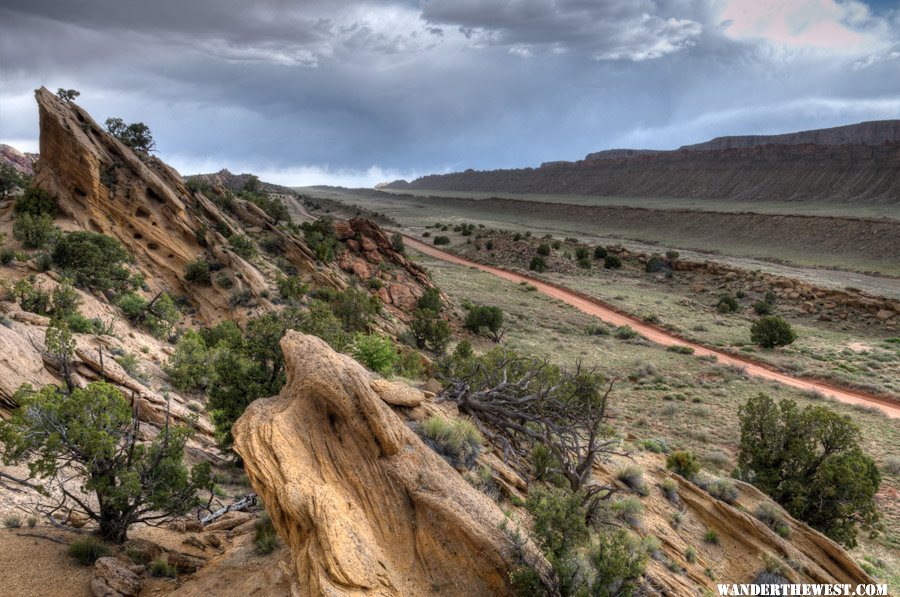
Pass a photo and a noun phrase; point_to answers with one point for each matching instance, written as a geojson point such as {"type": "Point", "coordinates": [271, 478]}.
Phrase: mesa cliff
{"type": "Point", "coordinates": [856, 163]}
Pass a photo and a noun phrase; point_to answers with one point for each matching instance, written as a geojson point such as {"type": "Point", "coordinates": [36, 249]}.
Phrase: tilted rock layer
{"type": "Point", "coordinates": [365, 506]}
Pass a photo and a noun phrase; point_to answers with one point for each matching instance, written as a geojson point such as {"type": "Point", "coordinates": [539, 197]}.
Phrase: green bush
{"type": "Point", "coordinates": [771, 331]}
{"type": "Point", "coordinates": [582, 253]}
{"type": "Point", "coordinates": [132, 304]}
{"type": "Point", "coordinates": [612, 262]}
{"type": "Point", "coordinates": [669, 489]}
{"type": "Point", "coordinates": [291, 288]}
{"type": "Point", "coordinates": [654, 264]}
{"type": "Point", "coordinates": [87, 550]}
{"type": "Point", "coordinates": [397, 243]}
{"type": "Point", "coordinates": [727, 304]}
{"type": "Point", "coordinates": [162, 569]}
{"type": "Point", "coordinates": [810, 461]}
{"type": "Point", "coordinates": [12, 521]}
{"type": "Point", "coordinates": [34, 231]}
{"type": "Point", "coordinates": [483, 319]}
{"type": "Point", "coordinates": [320, 321]}
{"type": "Point", "coordinates": [458, 440]}
{"type": "Point", "coordinates": [584, 263]}
{"type": "Point", "coordinates": [625, 332]}
{"type": "Point", "coordinates": [429, 330]}
{"type": "Point", "coordinates": [684, 463]}
{"type": "Point", "coordinates": [600, 252]}
{"type": "Point", "coordinates": [377, 352]}
{"type": "Point", "coordinates": [197, 272]}
{"type": "Point", "coordinates": [265, 538]}
{"type": "Point", "coordinates": [543, 249]}
{"type": "Point", "coordinates": [629, 509]}
{"type": "Point", "coordinates": [769, 514]}
{"type": "Point", "coordinates": [538, 264]}
{"type": "Point", "coordinates": [35, 202]}
{"type": "Point", "coordinates": [632, 476]}
{"type": "Point", "coordinates": [243, 246]}
{"type": "Point", "coordinates": [355, 308]}
{"type": "Point", "coordinates": [189, 366]}
{"type": "Point", "coordinates": [7, 255]}
{"type": "Point", "coordinates": [762, 308]}
{"type": "Point", "coordinates": [672, 255]}
{"type": "Point", "coordinates": [442, 240]}
{"type": "Point", "coordinates": [711, 537]}
{"type": "Point", "coordinates": [92, 260]}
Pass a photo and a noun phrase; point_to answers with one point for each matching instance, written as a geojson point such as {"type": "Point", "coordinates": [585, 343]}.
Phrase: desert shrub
{"type": "Point", "coordinates": [87, 550]}
{"type": "Point", "coordinates": [770, 297]}
{"type": "Point", "coordinates": [671, 254]}
{"type": "Point", "coordinates": [727, 304]}
{"type": "Point", "coordinates": [463, 350]}
{"type": "Point", "coordinates": [243, 246]}
{"type": "Point", "coordinates": [265, 538]}
{"type": "Point", "coordinates": [625, 332]}
{"type": "Point", "coordinates": [711, 537]}
{"type": "Point", "coordinates": [770, 515]}
{"type": "Point", "coordinates": [197, 272]}
{"type": "Point", "coordinates": [430, 300]}
{"type": "Point", "coordinates": [612, 262]}
{"type": "Point", "coordinates": [355, 308]}
{"type": "Point", "coordinates": [131, 365]}
{"type": "Point", "coordinates": [892, 465]}
{"type": "Point", "coordinates": [584, 263]}
{"type": "Point", "coordinates": [35, 202]}
{"type": "Point", "coordinates": [135, 135]}
{"type": "Point", "coordinates": [158, 316]}
{"type": "Point", "coordinates": [538, 264]}
{"type": "Point", "coordinates": [377, 352]}
{"type": "Point", "coordinates": [457, 440]}
{"type": "Point", "coordinates": [34, 231]}
{"type": "Point", "coordinates": [292, 288]}
{"type": "Point", "coordinates": [92, 260]}
{"type": "Point", "coordinates": [442, 240]}
{"type": "Point", "coordinates": [486, 320]}
{"type": "Point", "coordinates": [31, 298]}
{"type": "Point", "coordinates": [320, 321]}
{"type": "Point", "coordinates": [669, 489]}
{"type": "Point", "coordinates": [680, 349]}
{"type": "Point", "coordinates": [582, 253]}
{"type": "Point", "coordinates": [657, 445]}
{"type": "Point", "coordinates": [91, 430]}
{"type": "Point", "coordinates": [810, 461]}
{"type": "Point", "coordinates": [188, 368]}
{"type": "Point", "coordinates": [543, 249]}
{"type": "Point", "coordinates": [771, 331]}
{"type": "Point", "coordinates": [132, 305]}
{"type": "Point", "coordinates": [429, 330]}
{"type": "Point", "coordinates": [161, 568]}
{"type": "Point", "coordinates": [684, 463]}
{"type": "Point", "coordinates": [223, 280]}
{"type": "Point", "coordinates": [654, 264]}
{"type": "Point", "coordinates": [632, 476]}
{"type": "Point", "coordinates": [426, 234]}
{"type": "Point", "coordinates": [7, 255]}
{"type": "Point", "coordinates": [517, 236]}
{"type": "Point", "coordinates": [628, 509]}
{"type": "Point", "coordinates": [690, 554]}
{"type": "Point", "coordinates": [12, 521]}
{"type": "Point", "coordinates": [397, 243]}
{"type": "Point", "coordinates": [600, 252]}
{"type": "Point", "coordinates": [722, 489]}
{"type": "Point", "coordinates": [762, 308]}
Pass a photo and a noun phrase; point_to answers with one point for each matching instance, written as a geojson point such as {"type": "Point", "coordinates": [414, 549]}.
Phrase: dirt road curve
{"type": "Point", "coordinates": [607, 313]}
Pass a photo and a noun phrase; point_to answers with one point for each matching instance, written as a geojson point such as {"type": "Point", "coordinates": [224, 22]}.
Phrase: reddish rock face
{"type": "Point", "coordinates": [343, 229]}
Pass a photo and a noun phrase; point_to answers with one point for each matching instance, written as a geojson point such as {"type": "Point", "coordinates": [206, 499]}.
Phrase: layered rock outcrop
{"type": "Point", "coordinates": [365, 506]}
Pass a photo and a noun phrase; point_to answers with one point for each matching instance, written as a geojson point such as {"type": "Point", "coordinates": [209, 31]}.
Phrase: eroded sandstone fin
{"type": "Point", "coordinates": [365, 506]}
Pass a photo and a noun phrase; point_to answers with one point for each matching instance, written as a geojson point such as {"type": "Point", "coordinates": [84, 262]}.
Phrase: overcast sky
{"type": "Point", "coordinates": [355, 93]}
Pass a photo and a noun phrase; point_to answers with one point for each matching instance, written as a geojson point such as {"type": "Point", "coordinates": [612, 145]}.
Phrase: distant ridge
{"type": "Point", "coordinates": [856, 163]}
{"type": "Point", "coordinates": [873, 132]}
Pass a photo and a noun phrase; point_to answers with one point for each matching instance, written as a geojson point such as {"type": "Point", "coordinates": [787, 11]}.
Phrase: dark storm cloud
{"type": "Point", "coordinates": [361, 91]}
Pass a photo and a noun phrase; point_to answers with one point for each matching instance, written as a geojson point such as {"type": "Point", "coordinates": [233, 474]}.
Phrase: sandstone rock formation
{"type": "Point", "coordinates": [112, 578]}
{"type": "Point", "coordinates": [365, 506]}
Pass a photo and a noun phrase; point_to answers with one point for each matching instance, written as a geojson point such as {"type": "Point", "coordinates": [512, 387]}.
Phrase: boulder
{"type": "Point", "coordinates": [114, 578]}
{"type": "Point", "coordinates": [364, 506]}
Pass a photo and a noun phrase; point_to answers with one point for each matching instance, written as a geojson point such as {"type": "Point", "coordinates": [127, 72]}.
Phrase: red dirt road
{"type": "Point", "coordinates": [609, 314]}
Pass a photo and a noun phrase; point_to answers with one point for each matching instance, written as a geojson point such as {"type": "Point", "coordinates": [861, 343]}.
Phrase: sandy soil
{"type": "Point", "coordinates": [655, 334]}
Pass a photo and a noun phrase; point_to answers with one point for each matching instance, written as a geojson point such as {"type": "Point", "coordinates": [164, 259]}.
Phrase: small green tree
{"type": "Point", "coordinates": [67, 95]}
{"type": "Point", "coordinates": [189, 367]}
{"type": "Point", "coordinates": [136, 135]}
{"type": "Point", "coordinates": [811, 463]}
{"type": "Point", "coordinates": [772, 331]}
{"type": "Point", "coordinates": [483, 319]}
{"type": "Point", "coordinates": [377, 352]}
{"type": "Point", "coordinates": [197, 272]}
{"type": "Point", "coordinates": [355, 308]}
{"type": "Point", "coordinates": [92, 431]}
{"type": "Point", "coordinates": [684, 463]}
{"type": "Point", "coordinates": [10, 180]}
{"type": "Point", "coordinates": [600, 252]}
{"type": "Point", "coordinates": [35, 232]}
{"type": "Point", "coordinates": [430, 330]}
{"type": "Point", "coordinates": [321, 238]}
{"type": "Point", "coordinates": [35, 201]}
{"type": "Point", "coordinates": [92, 260]}
{"type": "Point", "coordinates": [727, 304]}
{"type": "Point", "coordinates": [538, 264]}
{"type": "Point", "coordinates": [612, 262]}
{"type": "Point", "coordinates": [61, 346]}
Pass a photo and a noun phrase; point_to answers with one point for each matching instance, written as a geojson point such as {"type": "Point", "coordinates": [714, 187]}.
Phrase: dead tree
{"type": "Point", "coordinates": [519, 403]}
